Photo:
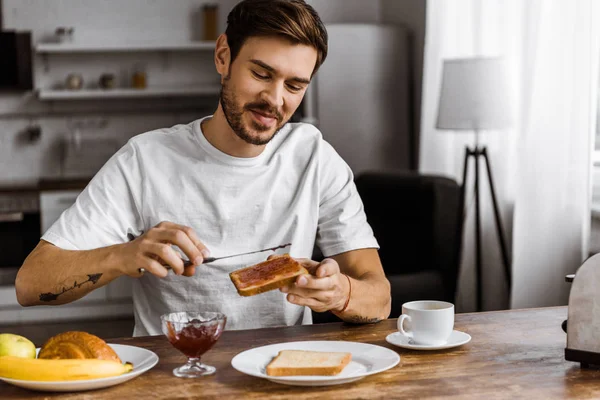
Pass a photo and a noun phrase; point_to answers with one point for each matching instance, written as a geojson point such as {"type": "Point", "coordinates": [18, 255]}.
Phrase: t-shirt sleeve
{"type": "Point", "coordinates": [342, 222]}
{"type": "Point", "coordinates": [106, 211]}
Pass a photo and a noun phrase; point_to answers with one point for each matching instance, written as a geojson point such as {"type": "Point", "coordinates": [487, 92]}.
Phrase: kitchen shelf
{"type": "Point", "coordinates": [65, 48]}
{"type": "Point", "coordinates": [177, 91]}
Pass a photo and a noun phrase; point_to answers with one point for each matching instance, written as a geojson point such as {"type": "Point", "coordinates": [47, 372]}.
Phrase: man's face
{"type": "Point", "coordinates": [264, 86]}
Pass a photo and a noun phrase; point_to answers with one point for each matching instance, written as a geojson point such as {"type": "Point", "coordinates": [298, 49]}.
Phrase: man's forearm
{"type": "Point", "coordinates": [370, 300]}
{"type": "Point", "coordinates": [53, 276]}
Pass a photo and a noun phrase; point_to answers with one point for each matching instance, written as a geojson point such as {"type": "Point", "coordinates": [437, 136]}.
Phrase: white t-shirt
{"type": "Point", "coordinates": [298, 190]}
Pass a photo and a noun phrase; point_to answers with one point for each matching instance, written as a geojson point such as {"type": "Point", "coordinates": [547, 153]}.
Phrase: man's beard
{"type": "Point", "coordinates": [233, 115]}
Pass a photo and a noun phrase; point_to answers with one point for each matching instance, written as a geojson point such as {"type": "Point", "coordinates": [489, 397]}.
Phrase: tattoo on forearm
{"type": "Point", "coordinates": [47, 297]}
{"type": "Point", "coordinates": [357, 319]}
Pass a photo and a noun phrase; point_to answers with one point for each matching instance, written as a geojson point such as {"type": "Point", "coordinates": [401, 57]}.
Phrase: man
{"type": "Point", "coordinates": [240, 180]}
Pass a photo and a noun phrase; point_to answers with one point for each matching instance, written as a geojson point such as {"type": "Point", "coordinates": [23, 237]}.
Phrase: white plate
{"type": "Point", "coordinates": [457, 338]}
{"type": "Point", "coordinates": [141, 359]}
{"type": "Point", "coordinates": [367, 359]}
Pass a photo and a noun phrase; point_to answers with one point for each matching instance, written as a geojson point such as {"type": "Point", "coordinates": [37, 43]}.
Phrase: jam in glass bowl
{"type": "Point", "coordinates": [193, 334]}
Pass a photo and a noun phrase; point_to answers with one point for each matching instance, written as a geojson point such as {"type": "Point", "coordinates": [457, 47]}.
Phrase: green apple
{"type": "Point", "coordinates": [15, 345]}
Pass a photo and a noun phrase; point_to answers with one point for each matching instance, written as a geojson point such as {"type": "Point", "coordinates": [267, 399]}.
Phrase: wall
{"type": "Point", "coordinates": [411, 14]}
{"type": "Point", "coordinates": [348, 11]}
{"type": "Point", "coordinates": [134, 20]}
{"type": "Point", "coordinates": [403, 152]}
{"type": "Point", "coordinates": [24, 163]}
{"type": "Point", "coordinates": [362, 103]}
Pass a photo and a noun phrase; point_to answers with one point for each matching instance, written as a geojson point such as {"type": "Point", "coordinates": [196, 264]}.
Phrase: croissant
{"type": "Point", "coordinates": [74, 344]}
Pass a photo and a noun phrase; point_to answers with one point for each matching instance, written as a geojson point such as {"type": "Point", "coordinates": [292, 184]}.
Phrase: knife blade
{"type": "Point", "coordinates": [208, 260]}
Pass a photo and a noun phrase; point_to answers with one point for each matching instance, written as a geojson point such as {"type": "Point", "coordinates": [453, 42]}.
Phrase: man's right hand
{"type": "Point", "coordinates": [154, 248]}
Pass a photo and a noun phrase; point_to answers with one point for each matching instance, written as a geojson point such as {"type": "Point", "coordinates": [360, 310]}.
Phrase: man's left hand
{"type": "Point", "coordinates": [325, 289]}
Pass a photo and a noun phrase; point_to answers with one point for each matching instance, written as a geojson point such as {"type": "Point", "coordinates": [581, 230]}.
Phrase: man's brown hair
{"type": "Point", "coordinates": [293, 20]}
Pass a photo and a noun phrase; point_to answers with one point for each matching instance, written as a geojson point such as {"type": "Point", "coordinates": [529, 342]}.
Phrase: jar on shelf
{"type": "Point", "coordinates": [210, 15]}
{"type": "Point", "coordinates": [107, 81]}
{"type": "Point", "coordinates": [74, 81]}
{"type": "Point", "coordinates": [64, 34]}
{"type": "Point", "coordinates": [139, 79]}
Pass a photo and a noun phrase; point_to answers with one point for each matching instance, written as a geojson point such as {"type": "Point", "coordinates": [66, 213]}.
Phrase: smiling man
{"type": "Point", "coordinates": [240, 180]}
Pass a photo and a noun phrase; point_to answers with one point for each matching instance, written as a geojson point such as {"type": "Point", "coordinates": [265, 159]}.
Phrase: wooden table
{"type": "Point", "coordinates": [513, 354]}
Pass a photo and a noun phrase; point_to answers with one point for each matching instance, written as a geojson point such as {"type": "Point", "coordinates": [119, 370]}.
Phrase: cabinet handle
{"type": "Point", "coordinates": [68, 201]}
{"type": "Point", "coordinates": [11, 217]}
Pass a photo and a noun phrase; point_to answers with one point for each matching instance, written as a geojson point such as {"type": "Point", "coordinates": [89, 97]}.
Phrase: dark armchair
{"type": "Point", "coordinates": [417, 220]}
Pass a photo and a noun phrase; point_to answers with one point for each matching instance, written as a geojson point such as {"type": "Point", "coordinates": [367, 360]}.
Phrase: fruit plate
{"type": "Point", "coordinates": [367, 359]}
{"type": "Point", "coordinates": [141, 359]}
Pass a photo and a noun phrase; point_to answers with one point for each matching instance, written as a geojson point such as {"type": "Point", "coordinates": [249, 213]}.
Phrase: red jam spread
{"type": "Point", "coordinates": [267, 269]}
{"type": "Point", "coordinates": [195, 339]}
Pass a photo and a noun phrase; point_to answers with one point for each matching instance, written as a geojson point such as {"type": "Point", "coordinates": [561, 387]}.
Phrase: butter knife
{"type": "Point", "coordinates": [208, 260]}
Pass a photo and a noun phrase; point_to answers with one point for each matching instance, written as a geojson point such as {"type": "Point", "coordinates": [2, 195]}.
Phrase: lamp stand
{"type": "Point", "coordinates": [476, 153]}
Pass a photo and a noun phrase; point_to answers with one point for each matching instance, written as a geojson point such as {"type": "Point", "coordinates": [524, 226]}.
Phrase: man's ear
{"type": "Point", "coordinates": [222, 56]}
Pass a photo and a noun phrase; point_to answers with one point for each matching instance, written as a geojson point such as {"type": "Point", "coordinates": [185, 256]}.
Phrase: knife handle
{"type": "Point", "coordinates": [188, 263]}
{"type": "Point", "coordinates": [207, 260]}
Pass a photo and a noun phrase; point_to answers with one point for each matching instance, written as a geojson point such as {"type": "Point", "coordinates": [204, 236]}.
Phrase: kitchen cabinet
{"type": "Point", "coordinates": [110, 301]}
{"type": "Point", "coordinates": [52, 205]}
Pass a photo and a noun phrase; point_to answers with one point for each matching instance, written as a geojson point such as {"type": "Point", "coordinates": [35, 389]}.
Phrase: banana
{"type": "Point", "coordinates": [35, 369]}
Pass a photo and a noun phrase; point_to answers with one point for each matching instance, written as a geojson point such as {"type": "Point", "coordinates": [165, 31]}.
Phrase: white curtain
{"type": "Point", "coordinates": [542, 165]}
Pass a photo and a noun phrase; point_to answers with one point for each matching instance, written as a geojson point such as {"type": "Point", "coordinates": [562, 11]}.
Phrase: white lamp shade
{"type": "Point", "coordinates": [474, 95]}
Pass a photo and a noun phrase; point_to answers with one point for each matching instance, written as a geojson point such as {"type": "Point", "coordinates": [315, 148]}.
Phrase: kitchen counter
{"type": "Point", "coordinates": [62, 184]}
{"type": "Point", "coordinates": [45, 184]}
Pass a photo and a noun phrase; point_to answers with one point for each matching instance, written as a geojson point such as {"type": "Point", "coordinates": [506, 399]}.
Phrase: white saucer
{"type": "Point", "coordinates": [457, 338]}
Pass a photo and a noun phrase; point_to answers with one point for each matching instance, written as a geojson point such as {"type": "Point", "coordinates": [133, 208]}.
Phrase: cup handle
{"type": "Point", "coordinates": [401, 320]}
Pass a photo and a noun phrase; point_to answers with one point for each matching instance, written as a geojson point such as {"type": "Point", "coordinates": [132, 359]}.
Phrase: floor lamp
{"type": "Point", "coordinates": [474, 98]}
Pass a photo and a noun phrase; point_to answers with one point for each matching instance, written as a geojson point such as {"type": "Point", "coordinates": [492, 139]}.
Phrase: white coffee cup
{"type": "Point", "coordinates": [429, 322]}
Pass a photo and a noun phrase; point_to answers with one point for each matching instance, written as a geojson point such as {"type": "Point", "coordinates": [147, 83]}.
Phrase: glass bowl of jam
{"type": "Point", "coordinates": [193, 334]}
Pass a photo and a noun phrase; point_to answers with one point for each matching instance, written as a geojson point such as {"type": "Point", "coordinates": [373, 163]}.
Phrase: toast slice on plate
{"type": "Point", "coordinates": [267, 275]}
{"type": "Point", "coordinates": [303, 362]}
